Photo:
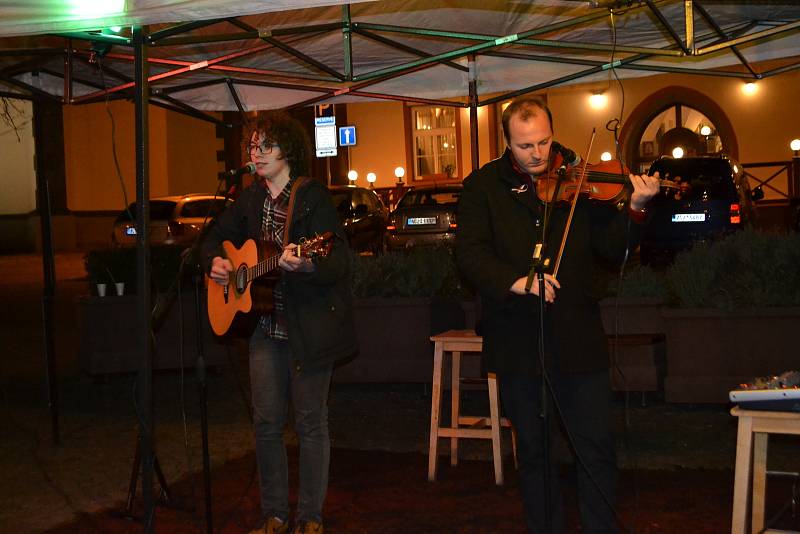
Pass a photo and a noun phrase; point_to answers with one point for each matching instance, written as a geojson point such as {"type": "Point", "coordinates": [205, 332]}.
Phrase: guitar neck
{"type": "Point", "coordinates": [263, 267]}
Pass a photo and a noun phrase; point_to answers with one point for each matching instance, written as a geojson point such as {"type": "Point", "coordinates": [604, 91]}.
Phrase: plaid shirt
{"type": "Point", "coordinates": [273, 222]}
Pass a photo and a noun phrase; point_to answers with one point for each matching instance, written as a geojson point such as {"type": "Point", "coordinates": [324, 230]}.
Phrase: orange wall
{"type": "Point", "coordinates": [764, 122]}
{"type": "Point", "coordinates": [381, 141]}
{"type": "Point", "coordinates": [182, 155]}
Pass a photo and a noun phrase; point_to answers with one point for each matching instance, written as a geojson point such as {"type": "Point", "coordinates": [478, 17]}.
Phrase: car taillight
{"type": "Point", "coordinates": [736, 217]}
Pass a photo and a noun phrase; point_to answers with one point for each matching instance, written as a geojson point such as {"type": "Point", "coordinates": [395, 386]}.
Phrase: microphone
{"type": "Point", "coordinates": [250, 168]}
{"type": "Point", "coordinates": [568, 157]}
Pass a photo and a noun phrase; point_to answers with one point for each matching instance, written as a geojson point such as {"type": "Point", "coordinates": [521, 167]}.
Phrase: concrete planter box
{"type": "Point", "coordinates": [634, 315]}
{"type": "Point", "coordinates": [394, 338]}
{"type": "Point", "coordinates": [635, 331]}
{"type": "Point", "coordinates": [710, 352]}
{"type": "Point", "coordinates": [109, 340]}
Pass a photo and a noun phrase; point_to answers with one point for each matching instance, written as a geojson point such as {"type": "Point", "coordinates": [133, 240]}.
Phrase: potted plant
{"type": "Point", "coordinates": [733, 315]}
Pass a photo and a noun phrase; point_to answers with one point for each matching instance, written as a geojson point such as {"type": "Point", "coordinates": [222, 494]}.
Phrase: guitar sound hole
{"type": "Point", "coordinates": [241, 279]}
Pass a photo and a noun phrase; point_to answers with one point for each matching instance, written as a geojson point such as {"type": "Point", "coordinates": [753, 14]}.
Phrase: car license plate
{"type": "Point", "coordinates": [688, 217]}
{"type": "Point", "coordinates": [418, 221]}
{"type": "Point", "coordinates": [130, 230]}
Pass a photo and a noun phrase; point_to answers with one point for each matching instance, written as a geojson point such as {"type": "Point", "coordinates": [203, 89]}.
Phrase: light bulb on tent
{"type": "Point", "coordinates": [605, 156]}
{"type": "Point", "coordinates": [352, 176]}
{"type": "Point", "coordinates": [371, 177]}
{"type": "Point", "coordinates": [399, 172]}
{"type": "Point", "coordinates": [677, 152]}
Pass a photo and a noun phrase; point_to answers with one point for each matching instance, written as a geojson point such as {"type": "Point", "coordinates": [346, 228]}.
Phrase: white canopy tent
{"type": "Point", "coordinates": [247, 55]}
{"type": "Point", "coordinates": [265, 55]}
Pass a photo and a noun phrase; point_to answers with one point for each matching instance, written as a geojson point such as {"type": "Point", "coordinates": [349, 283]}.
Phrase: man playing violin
{"type": "Point", "coordinates": [502, 223]}
{"type": "Point", "coordinates": [294, 347]}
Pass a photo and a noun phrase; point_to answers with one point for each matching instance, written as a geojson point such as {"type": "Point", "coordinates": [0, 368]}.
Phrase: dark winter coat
{"type": "Point", "coordinates": [497, 232]}
{"type": "Point", "coordinates": [318, 305]}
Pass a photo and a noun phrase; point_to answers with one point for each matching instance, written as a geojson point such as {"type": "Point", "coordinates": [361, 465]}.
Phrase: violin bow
{"type": "Point", "coordinates": [573, 204]}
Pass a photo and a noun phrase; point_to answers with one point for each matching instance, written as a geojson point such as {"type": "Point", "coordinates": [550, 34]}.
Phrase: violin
{"type": "Point", "coordinates": [607, 181]}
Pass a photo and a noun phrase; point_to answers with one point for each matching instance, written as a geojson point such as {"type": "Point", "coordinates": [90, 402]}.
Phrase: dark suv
{"type": "Point", "coordinates": [363, 217]}
{"type": "Point", "coordinates": [713, 198]}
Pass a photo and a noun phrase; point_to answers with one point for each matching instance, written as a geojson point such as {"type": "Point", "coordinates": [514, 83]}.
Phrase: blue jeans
{"type": "Point", "coordinates": [585, 401]}
{"type": "Point", "coordinates": [274, 380]}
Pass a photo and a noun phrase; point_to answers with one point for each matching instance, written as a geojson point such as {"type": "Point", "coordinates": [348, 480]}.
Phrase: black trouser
{"type": "Point", "coordinates": [585, 402]}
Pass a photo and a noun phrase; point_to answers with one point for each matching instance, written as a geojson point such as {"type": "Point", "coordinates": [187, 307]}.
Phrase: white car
{"type": "Point", "coordinates": [174, 220]}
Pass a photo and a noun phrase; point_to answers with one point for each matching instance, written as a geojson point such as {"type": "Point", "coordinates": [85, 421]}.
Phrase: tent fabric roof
{"type": "Point", "coordinates": [262, 55]}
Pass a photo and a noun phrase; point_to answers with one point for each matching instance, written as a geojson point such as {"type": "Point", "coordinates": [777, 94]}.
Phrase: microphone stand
{"type": "Point", "coordinates": [200, 367]}
{"type": "Point", "coordinates": [538, 265]}
{"type": "Point", "coordinates": [537, 269]}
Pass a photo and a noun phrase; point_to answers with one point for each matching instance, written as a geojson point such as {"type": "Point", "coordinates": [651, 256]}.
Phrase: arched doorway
{"type": "Point", "coordinates": [676, 117]}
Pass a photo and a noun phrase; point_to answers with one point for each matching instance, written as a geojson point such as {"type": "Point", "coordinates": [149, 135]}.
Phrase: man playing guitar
{"type": "Point", "coordinates": [310, 325]}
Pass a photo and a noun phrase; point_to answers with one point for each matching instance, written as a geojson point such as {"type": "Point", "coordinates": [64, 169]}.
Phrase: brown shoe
{"type": "Point", "coordinates": [273, 525]}
{"type": "Point", "coordinates": [308, 527]}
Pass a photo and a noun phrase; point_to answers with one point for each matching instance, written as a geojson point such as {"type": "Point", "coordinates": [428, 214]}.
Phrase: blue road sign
{"type": "Point", "coordinates": [347, 135]}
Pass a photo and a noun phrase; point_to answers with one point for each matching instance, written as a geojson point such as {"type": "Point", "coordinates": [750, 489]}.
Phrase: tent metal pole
{"type": "Point", "coordinates": [473, 112]}
{"type": "Point", "coordinates": [235, 97]}
{"type": "Point", "coordinates": [403, 98]}
{"type": "Point", "coordinates": [405, 48]}
{"type": "Point", "coordinates": [748, 38]}
{"type": "Point", "coordinates": [145, 378]}
{"type": "Point", "coordinates": [7, 94]}
{"type": "Point", "coordinates": [223, 68]}
{"type": "Point", "coordinates": [183, 108]}
{"type": "Point", "coordinates": [689, 16]}
{"type": "Point", "coordinates": [618, 65]}
{"type": "Point", "coordinates": [67, 98]}
{"type": "Point", "coordinates": [781, 70]}
{"type": "Point", "coordinates": [249, 34]}
{"type": "Point", "coordinates": [35, 90]}
{"type": "Point", "coordinates": [301, 56]}
{"type": "Point", "coordinates": [667, 26]}
{"type": "Point", "coordinates": [49, 276]}
{"type": "Point", "coordinates": [180, 28]}
{"type": "Point", "coordinates": [713, 23]}
{"type": "Point", "coordinates": [347, 43]}
{"type": "Point", "coordinates": [486, 45]}
{"type": "Point", "coordinates": [189, 68]}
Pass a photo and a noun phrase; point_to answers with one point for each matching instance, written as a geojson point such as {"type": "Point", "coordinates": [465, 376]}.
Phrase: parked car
{"type": "Point", "coordinates": [424, 216]}
{"type": "Point", "coordinates": [363, 216]}
{"type": "Point", "coordinates": [174, 220]}
{"type": "Point", "coordinates": [713, 198]}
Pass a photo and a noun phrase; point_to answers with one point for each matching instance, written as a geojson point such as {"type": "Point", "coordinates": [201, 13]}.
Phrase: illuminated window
{"type": "Point", "coordinates": [434, 131]}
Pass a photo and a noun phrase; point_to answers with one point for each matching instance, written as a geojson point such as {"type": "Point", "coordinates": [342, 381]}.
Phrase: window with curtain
{"type": "Point", "coordinates": [434, 131]}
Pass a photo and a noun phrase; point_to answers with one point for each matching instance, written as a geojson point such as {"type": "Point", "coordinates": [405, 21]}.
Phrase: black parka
{"type": "Point", "coordinates": [498, 229]}
{"type": "Point", "coordinates": [318, 305]}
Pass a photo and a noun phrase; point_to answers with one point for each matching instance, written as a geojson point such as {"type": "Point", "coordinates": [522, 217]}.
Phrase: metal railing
{"type": "Point", "coordinates": [783, 184]}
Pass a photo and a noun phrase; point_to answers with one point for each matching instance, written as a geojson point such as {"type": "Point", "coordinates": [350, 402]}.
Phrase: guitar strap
{"type": "Point", "coordinates": [298, 183]}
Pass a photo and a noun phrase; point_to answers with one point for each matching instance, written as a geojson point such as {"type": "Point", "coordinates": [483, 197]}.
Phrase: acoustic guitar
{"type": "Point", "coordinates": [234, 303]}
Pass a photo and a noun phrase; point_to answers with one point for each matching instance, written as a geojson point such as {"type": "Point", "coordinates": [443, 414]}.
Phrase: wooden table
{"type": "Point", "coordinates": [755, 426]}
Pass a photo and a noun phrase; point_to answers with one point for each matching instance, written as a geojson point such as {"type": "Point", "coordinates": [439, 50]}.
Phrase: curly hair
{"type": "Point", "coordinates": [280, 128]}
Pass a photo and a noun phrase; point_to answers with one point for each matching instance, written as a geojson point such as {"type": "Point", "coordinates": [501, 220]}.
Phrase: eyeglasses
{"type": "Point", "coordinates": [261, 150]}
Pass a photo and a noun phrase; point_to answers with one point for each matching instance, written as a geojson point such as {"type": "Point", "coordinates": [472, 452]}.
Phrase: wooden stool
{"type": "Point", "coordinates": [755, 426]}
{"type": "Point", "coordinates": [456, 342]}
